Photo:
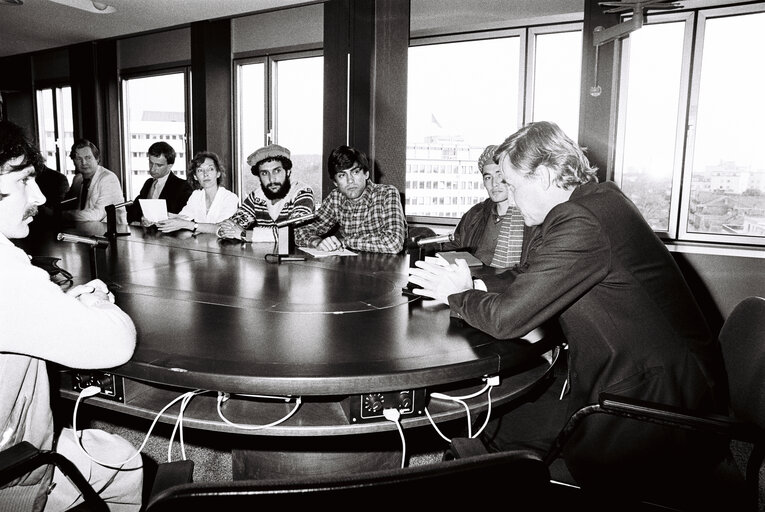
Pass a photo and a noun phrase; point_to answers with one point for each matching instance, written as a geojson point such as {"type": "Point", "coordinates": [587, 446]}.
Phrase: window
{"type": "Point", "coordinates": [154, 109]}
{"type": "Point", "coordinates": [55, 128]}
{"type": "Point", "coordinates": [280, 100]}
{"type": "Point", "coordinates": [696, 173]}
{"type": "Point", "coordinates": [464, 95]}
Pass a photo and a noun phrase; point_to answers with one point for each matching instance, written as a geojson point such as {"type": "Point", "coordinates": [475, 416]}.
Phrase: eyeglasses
{"type": "Point", "coordinates": [353, 172]}
{"type": "Point", "coordinates": [206, 170]}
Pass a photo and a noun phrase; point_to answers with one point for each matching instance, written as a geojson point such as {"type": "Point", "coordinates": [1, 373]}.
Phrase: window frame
{"type": "Point", "coordinates": [526, 78]}
{"type": "Point", "coordinates": [688, 100]}
{"type": "Point", "coordinates": [127, 178]}
{"type": "Point", "coordinates": [270, 121]}
{"type": "Point", "coordinates": [682, 111]}
{"type": "Point", "coordinates": [690, 136]}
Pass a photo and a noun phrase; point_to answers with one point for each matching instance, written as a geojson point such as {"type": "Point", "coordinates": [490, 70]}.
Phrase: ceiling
{"type": "Point", "coordinates": [42, 24]}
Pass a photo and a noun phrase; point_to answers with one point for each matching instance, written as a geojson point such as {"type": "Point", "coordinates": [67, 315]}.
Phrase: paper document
{"type": "Point", "coordinates": [263, 235]}
{"type": "Point", "coordinates": [154, 209]}
{"type": "Point", "coordinates": [318, 253]}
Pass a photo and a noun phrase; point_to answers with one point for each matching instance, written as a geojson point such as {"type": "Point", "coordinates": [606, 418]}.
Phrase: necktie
{"type": "Point", "coordinates": [153, 192]}
{"type": "Point", "coordinates": [510, 240]}
{"type": "Point", "coordinates": [84, 192]}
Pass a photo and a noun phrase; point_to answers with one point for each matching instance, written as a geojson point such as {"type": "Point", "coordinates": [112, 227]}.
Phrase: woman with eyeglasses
{"type": "Point", "coordinates": [209, 204]}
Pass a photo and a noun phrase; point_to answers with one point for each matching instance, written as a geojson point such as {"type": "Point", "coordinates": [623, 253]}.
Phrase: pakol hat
{"type": "Point", "coordinates": [487, 157]}
{"type": "Point", "coordinates": [270, 151]}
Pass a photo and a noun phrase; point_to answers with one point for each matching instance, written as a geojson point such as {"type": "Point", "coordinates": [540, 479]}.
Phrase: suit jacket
{"type": "Point", "coordinates": [632, 325]}
{"type": "Point", "coordinates": [105, 189]}
{"type": "Point", "coordinates": [54, 187]}
{"type": "Point", "coordinates": [176, 192]}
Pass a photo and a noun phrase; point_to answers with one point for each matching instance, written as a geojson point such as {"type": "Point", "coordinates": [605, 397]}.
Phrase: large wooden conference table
{"type": "Point", "coordinates": [337, 332]}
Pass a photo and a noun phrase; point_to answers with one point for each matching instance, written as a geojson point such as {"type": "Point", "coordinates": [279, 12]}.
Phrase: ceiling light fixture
{"type": "Point", "coordinates": [88, 6]}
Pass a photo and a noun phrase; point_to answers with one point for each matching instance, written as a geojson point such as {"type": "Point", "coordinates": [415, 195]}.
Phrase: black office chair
{"type": "Point", "coordinates": [742, 339]}
{"type": "Point", "coordinates": [23, 457]}
{"type": "Point", "coordinates": [517, 476]}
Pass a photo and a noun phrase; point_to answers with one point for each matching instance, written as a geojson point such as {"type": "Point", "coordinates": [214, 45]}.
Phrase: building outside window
{"type": "Point", "coordinates": [465, 94]}
{"type": "Point", "coordinates": [690, 125]}
{"type": "Point", "coordinates": [154, 109]}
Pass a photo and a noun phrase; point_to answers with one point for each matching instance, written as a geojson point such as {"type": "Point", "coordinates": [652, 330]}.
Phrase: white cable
{"type": "Point", "coordinates": [488, 413]}
{"type": "Point", "coordinates": [179, 426]}
{"type": "Point", "coordinates": [394, 415]}
{"type": "Point", "coordinates": [222, 397]}
{"type": "Point", "coordinates": [490, 383]}
{"type": "Point", "coordinates": [93, 390]}
{"type": "Point", "coordinates": [464, 397]}
{"type": "Point", "coordinates": [427, 412]}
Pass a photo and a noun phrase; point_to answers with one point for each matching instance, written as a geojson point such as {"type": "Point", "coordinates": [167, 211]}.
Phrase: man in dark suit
{"type": "Point", "coordinates": [632, 325]}
{"type": "Point", "coordinates": [163, 184]}
{"type": "Point", "coordinates": [54, 187]}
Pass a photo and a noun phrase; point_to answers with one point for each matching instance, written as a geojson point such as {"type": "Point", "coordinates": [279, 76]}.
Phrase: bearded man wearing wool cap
{"type": "Point", "coordinates": [279, 197]}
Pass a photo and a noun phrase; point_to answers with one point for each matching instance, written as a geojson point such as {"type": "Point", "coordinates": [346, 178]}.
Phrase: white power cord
{"type": "Point", "coordinates": [222, 397]}
{"type": "Point", "coordinates": [394, 415]}
{"type": "Point", "coordinates": [490, 383]}
{"type": "Point", "coordinates": [94, 390]}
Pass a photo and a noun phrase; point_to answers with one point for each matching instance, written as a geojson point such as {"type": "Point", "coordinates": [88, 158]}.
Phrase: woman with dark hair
{"type": "Point", "coordinates": [209, 204]}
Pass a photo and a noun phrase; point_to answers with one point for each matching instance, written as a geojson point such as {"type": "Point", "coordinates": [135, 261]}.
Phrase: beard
{"type": "Point", "coordinates": [280, 193]}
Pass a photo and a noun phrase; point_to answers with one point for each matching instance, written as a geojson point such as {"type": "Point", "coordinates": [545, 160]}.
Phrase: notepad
{"type": "Point", "coordinates": [451, 256]}
{"type": "Point", "coordinates": [153, 210]}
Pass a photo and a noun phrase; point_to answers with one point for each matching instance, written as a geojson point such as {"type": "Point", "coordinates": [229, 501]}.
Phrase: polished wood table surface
{"type": "Point", "coordinates": [216, 315]}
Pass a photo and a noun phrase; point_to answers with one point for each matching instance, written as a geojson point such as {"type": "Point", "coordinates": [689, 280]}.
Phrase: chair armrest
{"type": "Point", "coordinates": [676, 416]}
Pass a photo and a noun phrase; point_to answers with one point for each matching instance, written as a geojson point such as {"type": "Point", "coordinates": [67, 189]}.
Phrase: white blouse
{"type": "Point", "coordinates": [224, 205]}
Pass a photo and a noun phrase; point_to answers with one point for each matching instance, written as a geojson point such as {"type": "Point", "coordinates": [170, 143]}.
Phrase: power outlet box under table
{"type": "Point", "coordinates": [366, 407]}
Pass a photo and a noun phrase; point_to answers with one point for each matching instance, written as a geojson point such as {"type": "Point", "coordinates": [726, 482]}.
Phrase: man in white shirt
{"type": "Point", "coordinates": [81, 328]}
{"type": "Point", "coordinates": [94, 187]}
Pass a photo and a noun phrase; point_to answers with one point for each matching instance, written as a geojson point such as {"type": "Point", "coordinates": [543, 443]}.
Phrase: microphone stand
{"type": "Point", "coordinates": [97, 251]}
{"type": "Point", "coordinates": [111, 221]}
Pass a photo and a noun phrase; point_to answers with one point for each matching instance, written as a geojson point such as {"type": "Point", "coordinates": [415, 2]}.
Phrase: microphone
{"type": "Point", "coordinates": [126, 203]}
{"type": "Point", "coordinates": [436, 239]}
{"type": "Point", "coordinates": [93, 242]}
{"type": "Point", "coordinates": [296, 220]}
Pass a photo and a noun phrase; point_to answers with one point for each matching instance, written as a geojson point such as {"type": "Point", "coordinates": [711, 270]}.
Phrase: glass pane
{"type": "Point", "coordinates": [155, 110]}
{"type": "Point", "coordinates": [461, 98]}
{"type": "Point", "coordinates": [299, 116]}
{"type": "Point", "coordinates": [653, 89]}
{"type": "Point", "coordinates": [557, 67]}
{"type": "Point", "coordinates": [55, 125]}
{"type": "Point", "coordinates": [66, 131]}
{"type": "Point", "coordinates": [47, 127]}
{"type": "Point", "coordinates": [251, 121]}
{"type": "Point", "coordinates": [728, 177]}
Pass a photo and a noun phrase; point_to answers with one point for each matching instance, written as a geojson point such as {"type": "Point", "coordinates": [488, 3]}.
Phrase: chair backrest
{"type": "Point", "coordinates": [742, 339]}
{"type": "Point", "coordinates": [517, 476]}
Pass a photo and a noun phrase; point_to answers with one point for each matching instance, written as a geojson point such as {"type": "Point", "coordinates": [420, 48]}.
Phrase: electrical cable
{"type": "Point", "coordinates": [179, 426]}
{"type": "Point", "coordinates": [394, 415]}
{"type": "Point", "coordinates": [94, 390]}
{"type": "Point", "coordinates": [222, 397]}
{"type": "Point", "coordinates": [490, 383]}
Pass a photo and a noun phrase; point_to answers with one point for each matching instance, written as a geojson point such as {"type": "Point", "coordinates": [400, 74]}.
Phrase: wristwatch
{"type": "Point", "coordinates": [195, 227]}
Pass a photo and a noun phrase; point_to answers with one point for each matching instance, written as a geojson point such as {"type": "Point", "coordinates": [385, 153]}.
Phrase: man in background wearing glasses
{"type": "Point", "coordinates": [357, 214]}
{"type": "Point", "coordinates": [163, 184]}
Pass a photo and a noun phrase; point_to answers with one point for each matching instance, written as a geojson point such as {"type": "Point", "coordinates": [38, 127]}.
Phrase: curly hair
{"type": "Point", "coordinates": [13, 144]}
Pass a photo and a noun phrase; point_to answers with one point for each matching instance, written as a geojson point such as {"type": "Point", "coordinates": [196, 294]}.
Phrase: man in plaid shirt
{"type": "Point", "coordinates": [357, 214]}
{"type": "Point", "coordinates": [279, 197]}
